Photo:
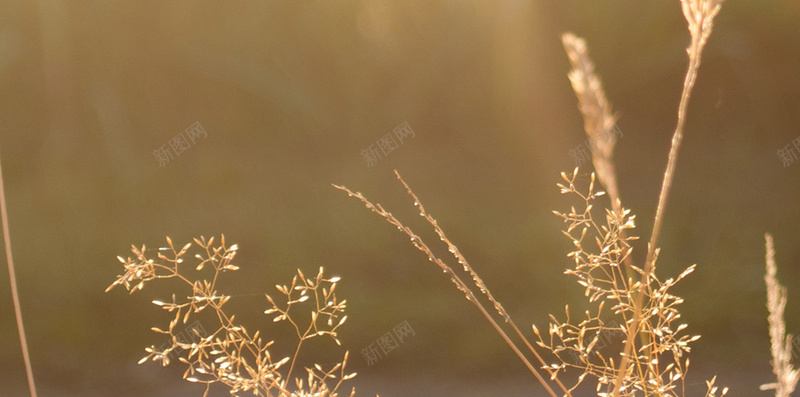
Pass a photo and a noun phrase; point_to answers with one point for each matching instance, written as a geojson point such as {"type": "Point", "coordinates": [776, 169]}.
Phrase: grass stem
{"type": "Point", "coordinates": [14, 293]}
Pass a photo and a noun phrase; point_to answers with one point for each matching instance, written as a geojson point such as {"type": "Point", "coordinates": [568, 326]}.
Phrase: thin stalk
{"type": "Point", "coordinates": [14, 293]}
{"type": "Point", "coordinates": [653, 244]}
{"type": "Point", "coordinates": [699, 14]}
{"type": "Point", "coordinates": [478, 281]}
{"type": "Point", "coordinates": [294, 360]}
{"type": "Point", "coordinates": [460, 284]}
{"type": "Point", "coordinates": [514, 346]}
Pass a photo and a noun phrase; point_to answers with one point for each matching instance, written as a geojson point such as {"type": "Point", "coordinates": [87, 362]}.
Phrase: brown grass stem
{"type": "Point", "coordinates": [14, 292]}
{"type": "Point", "coordinates": [598, 124]}
{"type": "Point", "coordinates": [475, 278]}
{"type": "Point", "coordinates": [699, 15]}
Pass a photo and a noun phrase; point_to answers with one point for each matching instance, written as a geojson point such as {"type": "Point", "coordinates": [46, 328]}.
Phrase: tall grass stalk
{"type": "Point", "coordinates": [700, 16]}
{"type": "Point", "coordinates": [14, 293]}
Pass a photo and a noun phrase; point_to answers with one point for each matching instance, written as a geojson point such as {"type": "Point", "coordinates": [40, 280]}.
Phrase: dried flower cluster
{"type": "Point", "coordinates": [231, 355]}
{"type": "Point", "coordinates": [658, 366]}
{"type": "Point", "coordinates": [597, 117]}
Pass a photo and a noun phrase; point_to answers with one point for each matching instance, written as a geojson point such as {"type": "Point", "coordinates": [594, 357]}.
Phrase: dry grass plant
{"type": "Point", "coordinates": [699, 15]}
{"type": "Point", "coordinates": [600, 251]}
{"type": "Point", "coordinates": [231, 355]}
{"type": "Point", "coordinates": [651, 361]}
{"type": "Point", "coordinates": [625, 298]}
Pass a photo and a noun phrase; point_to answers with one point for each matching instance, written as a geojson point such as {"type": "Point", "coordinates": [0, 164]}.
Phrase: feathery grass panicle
{"type": "Point", "coordinates": [598, 121]}
{"type": "Point", "coordinates": [231, 355]}
{"type": "Point", "coordinates": [781, 344]}
{"type": "Point", "coordinates": [460, 284]}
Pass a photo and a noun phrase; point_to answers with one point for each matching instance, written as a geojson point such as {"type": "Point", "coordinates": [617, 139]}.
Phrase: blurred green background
{"type": "Point", "coordinates": [290, 93]}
